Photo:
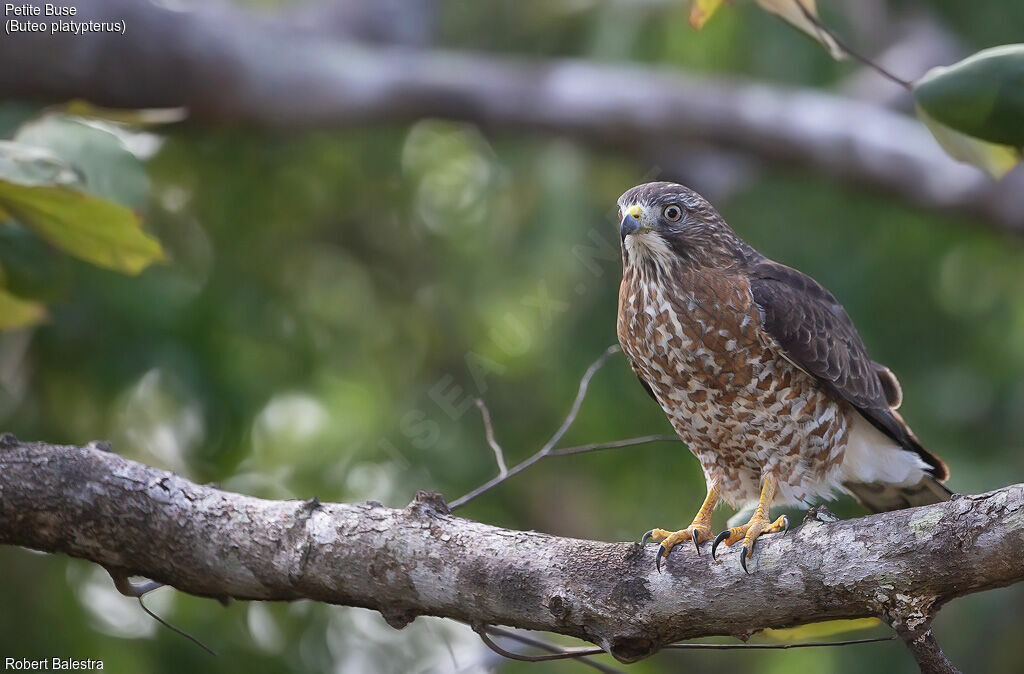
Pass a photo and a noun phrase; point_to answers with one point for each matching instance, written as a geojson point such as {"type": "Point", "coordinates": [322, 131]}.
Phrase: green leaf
{"type": "Point", "coordinates": [22, 164]}
{"type": "Point", "coordinates": [18, 313]}
{"type": "Point", "coordinates": [981, 96]}
{"type": "Point", "coordinates": [97, 231]}
{"type": "Point", "coordinates": [995, 159]}
{"type": "Point", "coordinates": [106, 168]}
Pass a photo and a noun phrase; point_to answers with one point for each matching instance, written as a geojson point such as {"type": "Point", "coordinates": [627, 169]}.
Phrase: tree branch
{"type": "Point", "coordinates": [900, 566]}
{"type": "Point", "coordinates": [929, 656]}
{"type": "Point", "coordinates": [216, 64]}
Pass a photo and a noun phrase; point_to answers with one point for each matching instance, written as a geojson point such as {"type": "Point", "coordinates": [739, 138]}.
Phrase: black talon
{"type": "Point", "coordinates": [661, 552]}
{"type": "Point", "coordinates": [785, 521]}
{"type": "Point", "coordinates": [696, 545]}
{"type": "Point", "coordinates": [647, 537]}
{"type": "Point", "coordinates": [718, 539]}
{"type": "Point", "coordinates": [743, 560]}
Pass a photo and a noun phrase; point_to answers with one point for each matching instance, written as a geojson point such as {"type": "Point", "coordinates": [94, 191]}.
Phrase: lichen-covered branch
{"type": "Point", "coordinates": [901, 566]}
{"type": "Point", "coordinates": [215, 63]}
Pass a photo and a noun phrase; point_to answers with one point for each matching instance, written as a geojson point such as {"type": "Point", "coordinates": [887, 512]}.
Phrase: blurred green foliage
{"type": "Point", "coordinates": [334, 301]}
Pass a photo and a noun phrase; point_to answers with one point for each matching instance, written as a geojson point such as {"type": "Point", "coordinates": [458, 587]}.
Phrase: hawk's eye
{"type": "Point", "coordinates": [672, 213]}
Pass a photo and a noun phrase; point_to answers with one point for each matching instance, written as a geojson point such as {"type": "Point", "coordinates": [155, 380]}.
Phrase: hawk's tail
{"type": "Point", "coordinates": [880, 498]}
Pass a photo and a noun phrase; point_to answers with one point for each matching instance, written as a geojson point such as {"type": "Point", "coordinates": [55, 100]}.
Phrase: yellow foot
{"type": "Point", "coordinates": [748, 533]}
{"type": "Point", "coordinates": [696, 533]}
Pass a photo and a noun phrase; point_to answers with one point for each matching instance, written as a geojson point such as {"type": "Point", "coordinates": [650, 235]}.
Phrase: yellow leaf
{"type": "Point", "coordinates": [996, 160]}
{"type": "Point", "coordinates": [18, 313]}
{"type": "Point", "coordinates": [791, 12]}
{"type": "Point", "coordinates": [701, 11]}
{"type": "Point", "coordinates": [820, 630]}
{"type": "Point", "coordinates": [136, 117]}
{"type": "Point", "coordinates": [97, 231]}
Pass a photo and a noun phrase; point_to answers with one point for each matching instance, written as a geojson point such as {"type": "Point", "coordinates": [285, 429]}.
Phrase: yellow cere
{"type": "Point", "coordinates": [634, 210]}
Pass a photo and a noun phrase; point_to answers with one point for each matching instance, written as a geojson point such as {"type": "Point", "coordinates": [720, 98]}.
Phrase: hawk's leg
{"type": "Point", "coordinates": [758, 524]}
{"type": "Point", "coordinates": [698, 531]}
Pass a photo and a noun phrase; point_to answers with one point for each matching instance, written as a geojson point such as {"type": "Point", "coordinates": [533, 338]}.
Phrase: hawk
{"type": "Point", "coordinates": [761, 373]}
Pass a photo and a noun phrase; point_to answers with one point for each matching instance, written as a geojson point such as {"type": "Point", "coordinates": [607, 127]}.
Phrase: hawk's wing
{"type": "Point", "coordinates": [817, 335]}
{"type": "Point", "coordinates": [647, 387]}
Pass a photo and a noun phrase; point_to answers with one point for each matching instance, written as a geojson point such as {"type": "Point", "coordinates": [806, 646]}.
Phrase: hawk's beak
{"type": "Point", "coordinates": [628, 226]}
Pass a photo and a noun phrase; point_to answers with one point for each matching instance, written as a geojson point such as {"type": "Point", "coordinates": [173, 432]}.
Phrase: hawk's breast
{"type": "Point", "coordinates": [695, 338]}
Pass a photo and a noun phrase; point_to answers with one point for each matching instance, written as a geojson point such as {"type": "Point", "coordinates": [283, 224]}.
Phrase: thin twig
{"type": "Point", "coordinates": [563, 654]}
{"type": "Point", "coordinates": [550, 647]}
{"type": "Point", "coordinates": [613, 444]}
{"type": "Point", "coordinates": [499, 455]}
{"type": "Point", "coordinates": [857, 56]}
{"type": "Point", "coordinates": [544, 451]}
{"type": "Point", "coordinates": [124, 585]}
{"type": "Point", "coordinates": [811, 644]}
{"type": "Point", "coordinates": [171, 627]}
{"type": "Point", "coordinates": [568, 653]}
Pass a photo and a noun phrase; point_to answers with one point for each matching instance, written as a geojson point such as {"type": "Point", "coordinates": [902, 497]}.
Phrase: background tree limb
{"type": "Point", "coordinates": [229, 67]}
{"type": "Point", "coordinates": [902, 566]}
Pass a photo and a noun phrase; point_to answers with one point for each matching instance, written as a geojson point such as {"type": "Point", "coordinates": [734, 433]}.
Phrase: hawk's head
{"type": "Point", "coordinates": [667, 224]}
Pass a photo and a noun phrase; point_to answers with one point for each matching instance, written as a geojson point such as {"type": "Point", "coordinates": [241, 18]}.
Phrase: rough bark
{"type": "Point", "coordinates": [88, 502]}
{"type": "Point", "coordinates": [227, 67]}
{"type": "Point", "coordinates": [927, 653]}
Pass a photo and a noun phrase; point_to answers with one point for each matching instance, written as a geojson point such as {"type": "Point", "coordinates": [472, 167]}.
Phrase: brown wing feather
{"type": "Point", "coordinates": [816, 333]}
